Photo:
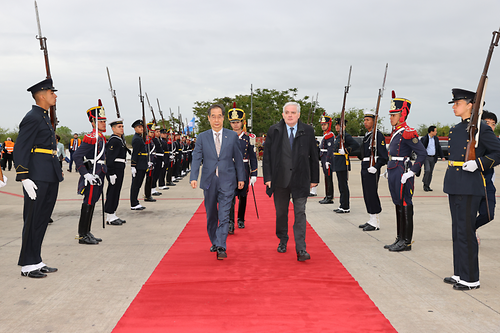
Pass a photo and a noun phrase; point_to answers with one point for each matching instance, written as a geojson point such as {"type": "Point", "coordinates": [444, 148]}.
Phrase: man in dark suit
{"type": "Point", "coordinates": [219, 150]}
{"type": "Point", "coordinates": [291, 168]}
{"type": "Point", "coordinates": [433, 151]}
{"type": "Point", "coordinates": [38, 168]}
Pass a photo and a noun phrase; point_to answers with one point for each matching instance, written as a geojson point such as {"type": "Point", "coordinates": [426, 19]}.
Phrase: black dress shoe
{"type": "Point", "coordinates": [363, 225]}
{"type": "Point", "coordinates": [400, 246]}
{"type": "Point", "coordinates": [459, 286]}
{"type": "Point", "coordinates": [46, 269]}
{"type": "Point", "coordinates": [302, 255]}
{"type": "Point", "coordinates": [231, 228]}
{"type": "Point", "coordinates": [429, 189]}
{"type": "Point", "coordinates": [450, 280]}
{"type": "Point", "coordinates": [51, 220]}
{"type": "Point", "coordinates": [150, 199]}
{"type": "Point", "coordinates": [221, 253]}
{"type": "Point", "coordinates": [282, 248]}
{"type": "Point", "coordinates": [87, 240]}
{"type": "Point", "coordinates": [390, 245]}
{"type": "Point", "coordinates": [114, 222]}
{"type": "Point", "coordinates": [171, 184]}
{"type": "Point", "coordinates": [426, 189]}
{"type": "Point", "coordinates": [138, 207]}
{"type": "Point", "coordinates": [369, 227]}
{"type": "Point", "coordinates": [36, 274]}
{"type": "Point", "coordinates": [122, 221]}
{"type": "Point", "coordinates": [241, 224]}
{"type": "Point", "coordinates": [326, 201]}
{"type": "Point", "coordinates": [156, 193]}
{"type": "Point", "coordinates": [213, 248]}
{"type": "Point", "coordinates": [94, 237]}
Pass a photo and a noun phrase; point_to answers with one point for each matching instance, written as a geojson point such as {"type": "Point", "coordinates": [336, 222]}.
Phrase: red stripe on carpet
{"type": "Point", "coordinates": [256, 289]}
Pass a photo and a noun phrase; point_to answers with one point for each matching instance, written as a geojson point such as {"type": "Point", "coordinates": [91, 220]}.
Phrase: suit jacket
{"type": "Point", "coordinates": [229, 162]}
{"type": "Point", "coordinates": [439, 150]}
{"type": "Point", "coordinates": [305, 159]}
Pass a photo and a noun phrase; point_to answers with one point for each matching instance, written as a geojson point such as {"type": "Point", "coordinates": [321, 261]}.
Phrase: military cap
{"type": "Point", "coordinates": [459, 94]}
{"type": "Point", "coordinates": [163, 131]}
{"type": "Point", "coordinates": [115, 121]}
{"type": "Point", "coordinates": [236, 115]}
{"type": "Point", "coordinates": [151, 126]}
{"type": "Point", "coordinates": [325, 119]}
{"type": "Point", "coordinates": [136, 123]}
{"type": "Point", "coordinates": [96, 110]}
{"type": "Point", "coordinates": [337, 121]}
{"type": "Point", "coordinates": [42, 85]}
{"type": "Point", "coordinates": [370, 113]}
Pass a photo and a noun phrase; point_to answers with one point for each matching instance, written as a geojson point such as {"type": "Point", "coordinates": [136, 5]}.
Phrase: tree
{"type": "Point", "coordinates": [65, 133]}
{"type": "Point", "coordinates": [442, 130]}
{"type": "Point", "coordinates": [355, 121]}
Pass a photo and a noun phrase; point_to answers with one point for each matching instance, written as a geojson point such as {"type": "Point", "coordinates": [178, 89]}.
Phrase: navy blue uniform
{"type": "Point", "coordinates": [465, 190]}
{"type": "Point", "coordinates": [116, 153]}
{"type": "Point", "coordinates": [326, 155]}
{"type": "Point", "coordinates": [35, 158]}
{"type": "Point", "coordinates": [341, 165]}
{"type": "Point", "coordinates": [369, 181]}
{"type": "Point", "coordinates": [139, 161]}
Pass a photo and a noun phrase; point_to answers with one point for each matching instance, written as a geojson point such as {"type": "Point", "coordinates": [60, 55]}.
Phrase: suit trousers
{"type": "Point", "coordinates": [369, 182]}
{"type": "Point", "coordinates": [218, 219]}
{"type": "Point", "coordinates": [281, 203]}
{"type": "Point", "coordinates": [463, 210]}
{"type": "Point", "coordinates": [428, 169]}
{"type": "Point", "coordinates": [136, 186]}
{"type": "Point", "coordinates": [36, 215]}
{"type": "Point", "coordinates": [342, 178]}
{"type": "Point", "coordinates": [113, 192]}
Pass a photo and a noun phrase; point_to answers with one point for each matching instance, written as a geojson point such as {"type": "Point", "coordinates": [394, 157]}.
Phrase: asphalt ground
{"type": "Point", "coordinates": [96, 283]}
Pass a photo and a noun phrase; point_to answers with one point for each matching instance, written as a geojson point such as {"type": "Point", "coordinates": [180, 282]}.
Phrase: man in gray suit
{"type": "Point", "coordinates": [291, 168]}
{"type": "Point", "coordinates": [223, 170]}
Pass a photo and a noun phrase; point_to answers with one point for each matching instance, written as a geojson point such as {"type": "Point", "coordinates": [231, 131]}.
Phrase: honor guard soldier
{"type": "Point", "coordinates": [170, 151]}
{"type": "Point", "coordinates": [326, 157]}
{"type": "Point", "coordinates": [370, 174]}
{"type": "Point", "coordinates": [464, 184]}
{"type": "Point", "coordinates": [158, 161]}
{"type": "Point", "coordinates": [237, 120]}
{"type": "Point", "coordinates": [116, 153]}
{"type": "Point", "coordinates": [37, 167]}
{"type": "Point", "coordinates": [178, 158]}
{"type": "Point", "coordinates": [401, 172]}
{"type": "Point", "coordinates": [165, 162]}
{"type": "Point", "coordinates": [150, 145]}
{"type": "Point", "coordinates": [342, 166]}
{"type": "Point", "coordinates": [90, 163]}
{"type": "Point", "coordinates": [139, 164]}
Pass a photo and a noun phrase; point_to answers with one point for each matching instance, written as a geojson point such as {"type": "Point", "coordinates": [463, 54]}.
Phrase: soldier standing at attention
{"type": "Point", "coordinates": [158, 162]}
{"type": "Point", "coordinates": [152, 158]}
{"type": "Point", "coordinates": [139, 164]}
{"type": "Point", "coordinates": [326, 157]}
{"type": "Point", "coordinates": [370, 174]}
{"type": "Point", "coordinates": [401, 172]}
{"type": "Point", "coordinates": [464, 184]}
{"type": "Point", "coordinates": [37, 167]}
{"type": "Point", "coordinates": [342, 166]}
{"type": "Point", "coordinates": [237, 119]}
{"type": "Point", "coordinates": [116, 153]}
{"type": "Point", "coordinates": [91, 164]}
{"type": "Point", "coordinates": [170, 152]}
{"type": "Point", "coordinates": [165, 161]}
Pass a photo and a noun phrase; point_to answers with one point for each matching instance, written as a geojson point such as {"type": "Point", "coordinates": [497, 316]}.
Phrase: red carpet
{"type": "Point", "coordinates": [256, 289]}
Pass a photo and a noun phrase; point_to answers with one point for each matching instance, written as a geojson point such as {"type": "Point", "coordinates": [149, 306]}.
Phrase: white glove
{"type": "Point", "coordinates": [372, 170]}
{"type": "Point", "coordinates": [253, 180]}
{"type": "Point", "coordinates": [30, 187]}
{"type": "Point", "coordinates": [341, 151]}
{"type": "Point", "coordinates": [92, 179]}
{"type": "Point", "coordinates": [385, 175]}
{"type": "Point", "coordinates": [162, 164]}
{"type": "Point", "coordinates": [172, 157]}
{"type": "Point", "coordinates": [327, 165]}
{"type": "Point", "coordinates": [150, 164]}
{"type": "Point", "coordinates": [470, 166]}
{"type": "Point", "coordinates": [406, 176]}
{"type": "Point", "coordinates": [112, 179]}
{"type": "Point", "coordinates": [4, 182]}
{"type": "Point", "coordinates": [133, 170]}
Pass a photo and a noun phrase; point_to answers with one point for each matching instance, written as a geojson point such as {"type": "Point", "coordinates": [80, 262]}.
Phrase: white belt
{"type": "Point", "coordinates": [120, 160]}
{"type": "Point", "coordinates": [158, 154]}
{"type": "Point", "coordinates": [323, 150]}
{"type": "Point", "coordinates": [367, 159]}
{"type": "Point", "coordinates": [397, 158]}
{"type": "Point", "coordinates": [98, 162]}
{"type": "Point", "coordinates": [245, 160]}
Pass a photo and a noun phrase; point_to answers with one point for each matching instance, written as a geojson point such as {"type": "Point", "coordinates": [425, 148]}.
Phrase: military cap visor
{"type": "Point", "coordinates": [459, 94]}
{"type": "Point", "coordinates": [337, 121]}
{"type": "Point", "coordinates": [115, 121]}
{"type": "Point", "coordinates": [370, 114]}
{"type": "Point", "coordinates": [42, 85]}
{"type": "Point", "coordinates": [136, 123]}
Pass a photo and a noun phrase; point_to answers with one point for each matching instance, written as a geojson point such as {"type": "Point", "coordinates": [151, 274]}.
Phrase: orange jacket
{"type": "Point", "coordinates": [9, 146]}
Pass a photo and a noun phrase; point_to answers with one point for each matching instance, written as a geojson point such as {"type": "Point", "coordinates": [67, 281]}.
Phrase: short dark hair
{"type": "Point", "coordinates": [58, 137]}
{"type": "Point", "coordinates": [216, 106]}
{"type": "Point", "coordinates": [489, 115]}
{"type": "Point", "coordinates": [431, 128]}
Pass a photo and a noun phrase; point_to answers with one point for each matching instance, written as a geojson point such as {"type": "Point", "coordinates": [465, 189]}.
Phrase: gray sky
{"type": "Point", "coordinates": [187, 51]}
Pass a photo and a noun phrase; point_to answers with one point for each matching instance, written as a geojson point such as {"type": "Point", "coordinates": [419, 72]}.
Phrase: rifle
{"type": "Point", "coordinates": [373, 145]}
{"type": "Point", "coordinates": [477, 107]}
{"type": "Point", "coordinates": [113, 94]}
{"type": "Point", "coordinates": [43, 47]}
{"type": "Point", "coordinates": [141, 97]}
{"type": "Point", "coordinates": [151, 108]}
{"type": "Point", "coordinates": [161, 114]}
{"type": "Point", "coordinates": [342, 115]}
{"type": "Point", "coordinates": [312, 109]}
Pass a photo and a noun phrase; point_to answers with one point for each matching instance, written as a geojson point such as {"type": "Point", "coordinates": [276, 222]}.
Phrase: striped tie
{"type": "Point", "coordinates": [217, 147]}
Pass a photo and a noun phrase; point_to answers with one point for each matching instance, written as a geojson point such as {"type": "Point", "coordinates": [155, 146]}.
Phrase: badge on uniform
{"type": "Point", "coordinates": [414, 140]}
{"type": "Point", "coordinates": [329, 143]}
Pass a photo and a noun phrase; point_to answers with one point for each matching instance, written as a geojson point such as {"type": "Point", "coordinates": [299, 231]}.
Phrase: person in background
{"type": "Point", "coordinates": [431, 144]}
{"type": "Point", "coordinates": [8, 153]}
{"type": "Point", "coordinates": [74, 143]}
{"type": "Point", "coordinates": [61, 155]}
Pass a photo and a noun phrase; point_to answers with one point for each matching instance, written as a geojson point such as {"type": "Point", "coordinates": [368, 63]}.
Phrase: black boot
{"type": "Point", "coordinates": [83, 226]}
{"type": "Point", "coordinates": [231, 217]}
{"type": "Point", "coordinates": [326, 200]}
{"type": "Point", "coordinates": [242, 207]}
{"type": "Point", "coordinates": [90, 223]}
{"type": "Point", "coordinates": [404, 243]}
{"type": "Point", "coordinates": [399, 236]}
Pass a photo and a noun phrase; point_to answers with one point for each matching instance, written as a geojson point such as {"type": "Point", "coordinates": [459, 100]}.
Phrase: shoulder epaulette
{"type": "Point", "coordinates": [328, 135]}
{"type": "Point", "coordinates": [89, 138]}
{"type": "Point", "coordinates": [410, 133]}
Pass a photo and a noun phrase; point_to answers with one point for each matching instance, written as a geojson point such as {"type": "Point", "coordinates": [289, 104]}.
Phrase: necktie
{"type": "Point", "coordinates": [217, 147]}
{"type": "Point", "coordinates": [291, 138]}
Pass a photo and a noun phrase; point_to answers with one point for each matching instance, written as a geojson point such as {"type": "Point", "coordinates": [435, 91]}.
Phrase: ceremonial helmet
{"type": "Point", "coordinates": [235, 114]}
{"type": "Point", "coordinates": [400, 105]}
{"type": "Point", "coordinates": [151, 126]}
{"type": "Point", "coordinates": [96, 112]}
{"type": "Point", "coordinates": [326, 119]}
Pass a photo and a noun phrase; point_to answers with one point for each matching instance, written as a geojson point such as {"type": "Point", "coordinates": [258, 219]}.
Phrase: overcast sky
{"type": "Point", "coordinates": [188, 51]}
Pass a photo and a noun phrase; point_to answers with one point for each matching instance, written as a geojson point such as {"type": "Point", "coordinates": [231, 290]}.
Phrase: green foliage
{"type": "Point", "coordinates": [355, 121]}
{"type": "Point", "coordinates": [65, 133]}
{"type": "Point", "coordinates": [6, 133]}
{"type": "Point", "coordinates": [267, 109]}
{"type": "Point", "coordinates": [442, 130]}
